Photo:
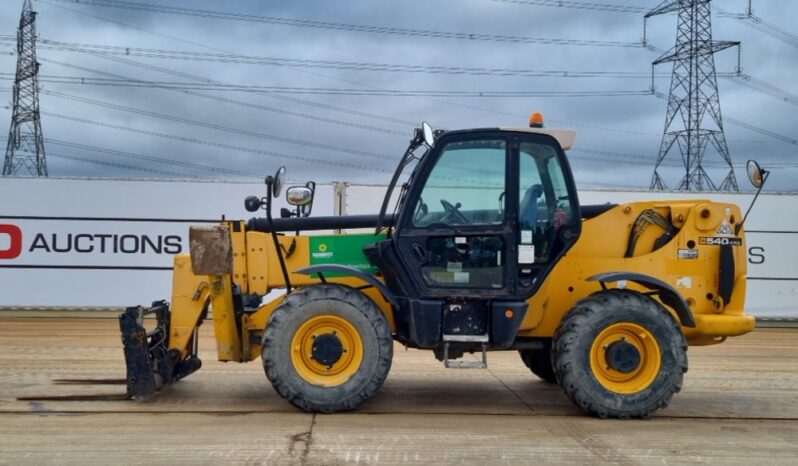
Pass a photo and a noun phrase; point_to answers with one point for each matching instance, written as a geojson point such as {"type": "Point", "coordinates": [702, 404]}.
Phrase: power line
{"type": "Point", "coordinates": [284, 97]}
{"type": "Point", "coordinates": [345, 110]}
{"type": "Point", "coordinates": [629, 158]}
{"type": "Point", "coordinates": [124, 166]}
{"type": "Point", "coordinates": [83, 80]}
{"type": "Point", "coordinates": [200, 78]}
{"type": "Point", "coordinates": [332, 64]}
{"type": "Point", "coordinates": [213, 126]}
{"type": "Point", "coordinates": [219, 145]}
{"type": "Point", "coordinates": [203, 79]}
{"type": "Point", "coordinates": [388, 67]}
{"type": "Point", "coordinates": [248, 104]}
{"type": "Point", "coordinates": [215, 14]}
{"type": "Point", "coordinates": [756, 22]}
{"type": "Point", "coordinates": [305, 101]}
{"type": "Point", "coordinates": [156, 159]}
{"type": "Point", "coordinates": [761, 86]}
{"type": "Point", "coordinates": [762, 131]}
{"type": "Point", "coordinates": [635, 159]}
{"type": "Point", "coordinates": [750, 127]}
{"type": "Point", "coordinates": [327, 106]}
{"type": "Point", "coordinates": [484, 109]}
{"type": "Point", "coordinates": [608, 7]}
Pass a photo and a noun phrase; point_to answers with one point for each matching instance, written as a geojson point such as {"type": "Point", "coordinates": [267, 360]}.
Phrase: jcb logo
{"type": "Point", "coordinates": [14, 235]}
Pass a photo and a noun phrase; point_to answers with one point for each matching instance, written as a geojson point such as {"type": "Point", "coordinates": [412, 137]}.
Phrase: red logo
{"type": "Point", "coordinates": [15, 243]}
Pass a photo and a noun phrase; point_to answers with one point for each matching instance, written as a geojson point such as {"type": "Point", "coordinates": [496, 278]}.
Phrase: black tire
{"type": "Point", "coordinates": [573, 343]}
{"type": "Point", "coordinates": [343, 302]}
{"type": "Point", "coordinates": [539, 362]}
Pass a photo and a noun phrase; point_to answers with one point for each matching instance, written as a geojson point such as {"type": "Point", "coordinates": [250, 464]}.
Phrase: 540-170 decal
{"type": "Point", "coordinates": [720, 241]}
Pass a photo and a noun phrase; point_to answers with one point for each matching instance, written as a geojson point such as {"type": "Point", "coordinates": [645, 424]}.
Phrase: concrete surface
{"type": "Point", "coordinates": [739, 406]}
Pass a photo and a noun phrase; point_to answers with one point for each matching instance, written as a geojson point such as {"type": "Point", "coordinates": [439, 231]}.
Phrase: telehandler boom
{"type": "Point", "coordinates": [488, 250]}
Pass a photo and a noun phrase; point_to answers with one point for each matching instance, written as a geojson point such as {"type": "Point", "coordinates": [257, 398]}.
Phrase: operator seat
{"type": "Point", "coordinates": [529, 207]}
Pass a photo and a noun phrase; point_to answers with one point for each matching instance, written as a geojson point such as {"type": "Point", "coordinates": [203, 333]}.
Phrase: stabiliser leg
{"type": "Point", "coordinates": [150, 364]}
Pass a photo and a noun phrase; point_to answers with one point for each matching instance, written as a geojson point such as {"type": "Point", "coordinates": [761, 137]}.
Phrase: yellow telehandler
{"type": "Point", "coordinates": [487, 249]}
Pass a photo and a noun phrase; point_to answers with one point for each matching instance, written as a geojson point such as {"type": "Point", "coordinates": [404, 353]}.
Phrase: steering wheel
{"type": "Point", "coordinates": [452, 211]}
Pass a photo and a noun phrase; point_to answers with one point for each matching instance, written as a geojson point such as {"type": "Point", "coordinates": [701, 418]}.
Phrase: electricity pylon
{"type": "Point", "coordinates": [25, 149]}
{"type": "Point", "coordinates": [693, 97]}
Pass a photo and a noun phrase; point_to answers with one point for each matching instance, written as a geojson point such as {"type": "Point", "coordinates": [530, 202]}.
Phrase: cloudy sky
{"type": "Point", "coordinates": [187, 129]}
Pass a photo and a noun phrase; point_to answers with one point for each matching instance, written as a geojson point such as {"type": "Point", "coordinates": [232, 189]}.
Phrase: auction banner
{"type": "Point", "coordinates": [111, 243]}
{"type": "Point", "coordinates": [108, 243]}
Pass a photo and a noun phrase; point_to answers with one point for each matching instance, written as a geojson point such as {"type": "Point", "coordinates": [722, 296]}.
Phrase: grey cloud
{"type": "Point", "coordinates": [763, 57]}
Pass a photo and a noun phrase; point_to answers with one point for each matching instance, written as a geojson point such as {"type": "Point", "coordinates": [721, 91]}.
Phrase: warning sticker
{"type": "Point", "coordinates": [526, 236]}
{"type": "Point", "coordinates": [526, 254]}
{"type": "Point", "coordinates": [687, 253]}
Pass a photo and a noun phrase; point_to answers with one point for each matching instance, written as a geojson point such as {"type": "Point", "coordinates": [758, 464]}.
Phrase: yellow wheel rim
{"type": "Point", "coordinates": [633, 380]}
{"type": "Point", "coordinates": [318, 370]}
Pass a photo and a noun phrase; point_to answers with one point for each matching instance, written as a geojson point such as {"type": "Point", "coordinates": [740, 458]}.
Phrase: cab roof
{"type": "Point", "coordinates": [564, 137]}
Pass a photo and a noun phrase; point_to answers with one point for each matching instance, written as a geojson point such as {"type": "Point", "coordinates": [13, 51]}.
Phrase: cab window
{"type": "Point", "coordinates": [466, 186]}
{"type": "Point", "coordinates": [544, 205]}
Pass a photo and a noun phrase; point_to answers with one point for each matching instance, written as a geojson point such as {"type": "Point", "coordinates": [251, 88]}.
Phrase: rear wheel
{"type": "Point", "coordinates": [327, 348]}
{"type": "Point", "coordinates": [539, 362]}
{"type": "Point", "coordinates": [620, 353]}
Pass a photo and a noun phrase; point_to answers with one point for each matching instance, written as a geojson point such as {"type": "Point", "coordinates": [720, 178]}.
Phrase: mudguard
{"type": "Point", "coordinates": [667, 294]}
{"type": "Point", "coordinates": [351, 272]}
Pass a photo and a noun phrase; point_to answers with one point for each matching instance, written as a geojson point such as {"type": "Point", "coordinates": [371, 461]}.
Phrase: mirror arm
{"type": "Point", "coordinates": [739, 226]}
{"type": "Point", "coordinates": [312, 186]}
{"type": "Point", "coordinates": [278, 250]}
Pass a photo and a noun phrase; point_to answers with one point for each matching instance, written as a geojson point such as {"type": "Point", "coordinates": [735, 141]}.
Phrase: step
{"type": "Point", "coordinates": [460, 364]}
{"type": "Point", "coordinates": [467, 338]}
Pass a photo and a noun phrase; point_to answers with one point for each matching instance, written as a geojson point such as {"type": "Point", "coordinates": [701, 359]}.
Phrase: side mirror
{"type": "Point", "coordinates": [279, 181]}
{"type": "Point", "coordinates": [306, 209]}
{"type": "Point", "coordinates": [299, 196]}
{"type": "Point", "coordinates": [429, 135]}
{"type": "Point", "coordinates": [756, 174]}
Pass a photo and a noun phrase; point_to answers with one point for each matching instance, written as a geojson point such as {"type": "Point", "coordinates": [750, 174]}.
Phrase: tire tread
{"type": "Point", "coordinates": [580, 318]}
{"type": "Point", "coordinates": [279, 321]}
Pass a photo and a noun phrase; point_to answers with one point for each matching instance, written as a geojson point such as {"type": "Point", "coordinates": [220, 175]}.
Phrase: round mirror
{"type": "Point", "coordinates": [279, 180]}
{"type": "Point", "coordinates": [429, 135]}
{"type": "Point", "coordinates": [755, 173]}
{"type": "Point", "coordinates": [299, 196]}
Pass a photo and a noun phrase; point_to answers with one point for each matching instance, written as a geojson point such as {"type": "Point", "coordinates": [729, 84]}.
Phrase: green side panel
{"type": "Point", "coordinates": [343, 250]}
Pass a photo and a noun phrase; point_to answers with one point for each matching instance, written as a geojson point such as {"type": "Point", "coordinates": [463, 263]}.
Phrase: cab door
{"type": "Point", "coordinates": [457, 238]}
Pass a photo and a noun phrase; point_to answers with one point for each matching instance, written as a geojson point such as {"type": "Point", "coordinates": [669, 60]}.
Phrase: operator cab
{"type": "Point", "coordinates": [486, 212]}
{"type": "Point", "coordinates": [481, 221]}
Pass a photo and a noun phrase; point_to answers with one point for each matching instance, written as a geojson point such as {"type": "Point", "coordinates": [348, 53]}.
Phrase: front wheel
{"type": "Point", "coordinates": [327, 348]}
{"type": "Point", "coordinates": [620, 354]}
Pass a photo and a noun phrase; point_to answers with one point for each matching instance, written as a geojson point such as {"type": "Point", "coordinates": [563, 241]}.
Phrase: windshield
{"type": "Point", "coordinates": [466, 186]}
